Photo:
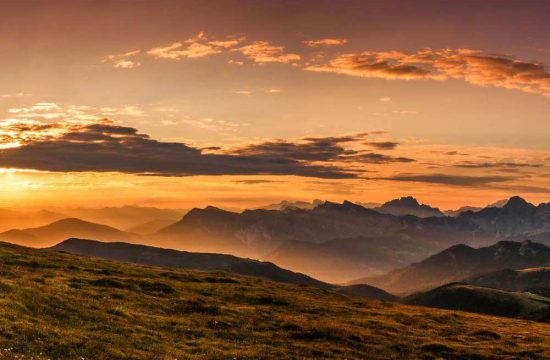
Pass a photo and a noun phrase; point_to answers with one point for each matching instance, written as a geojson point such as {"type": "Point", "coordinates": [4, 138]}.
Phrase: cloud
{"type": "Point", "coordinates": [122, 61]}
{"type": "Point", "coordinates": [176, 51]}
{"type": "Point", "coordinates": [486, 165]}
{"type": "Point", "coordinates": [325, 42]}
{"type": "Point", "coordinates": [126, 110]}
{"type": "Point", "coordinates": [49, 111]}
{"type": "Point", "coordinates": [52, 112]}
{"type": "Point", "coordinates": [106, 147]}
{"type": "Point", "coordinates": [256, 181]}
{"type": "Point", "coordinates": [243, 92]}
{"type": "Point", "coordinates": [458, 180]}
{"type": "Point", "coordinates": [264, 52]}
{"type": "Point", "coordinates": [404, 112]}
{"type": "Point", "coordinates": [14, 95]}
{"type": "Point", "coordinates": [209, 124]}
{"type": "Point", "coordinates": [195, 47]}
{"type": "Point", "coordinates": [472, 66]}
{"type": "Point", "coordinates": [273, 91]}
{"type": "Point", "coordinates": [385, 99]}
{"type": "Point", "coordinates": [324, 149]}
{"type": "Point", "coordinates": [382, 145]}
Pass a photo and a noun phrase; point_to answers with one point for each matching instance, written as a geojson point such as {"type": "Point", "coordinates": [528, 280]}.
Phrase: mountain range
{"type": "Point", "coordinates": [460, 262]}
{"type": "Point", "coordinates": [348, 237]}
{"type": "Point", "coordinates": [332, 242]}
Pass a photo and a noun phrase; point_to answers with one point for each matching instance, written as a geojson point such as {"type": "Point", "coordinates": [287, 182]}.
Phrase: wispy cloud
{"type": "Point", "coordinates": [50, 111]}
{"type": "Point", "coordinates": [264, 52]}
{"type": "Point", "coordinates": [382, 145]}
{"type": "Point", "coordinates": [472, 66]}
{"type": "Point", "coordinates": [243, 92]}
{"type": "Point", "coordinates": [446, 179]}
{"type": "Point", "coordinates": [14, 95]}
{"type": "Point", "coordinates": [196, 47]}
{"type": "Point", "coordinates": [124, 60]}
{"type": "Point", "coordinates": [325, 42]}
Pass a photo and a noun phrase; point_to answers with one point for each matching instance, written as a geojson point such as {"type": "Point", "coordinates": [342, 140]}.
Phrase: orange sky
{"type": "Point", "coordinates": [242, 103]}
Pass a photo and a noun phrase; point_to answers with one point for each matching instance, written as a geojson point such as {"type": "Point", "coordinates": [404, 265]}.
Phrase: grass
{"type": "Point", "coordinates": [61, 306]}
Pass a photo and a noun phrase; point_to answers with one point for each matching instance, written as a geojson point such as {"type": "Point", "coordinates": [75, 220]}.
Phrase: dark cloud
{"type": "Point", "coordinates": [486, 165]}
{"type": "Point", "coordinates": [256, 181]}
{"type": "Point", "coordinates": [382, 145]}
{"type": "Point", "coordinates": [374, 158]}
{"type": "Point", "coordinates": [107, 147]}
{"type": "Point", "coordinates": [310, 149]}
{"type": "Point", "coordinates": [460, 180]}
{"type": "Point", "coordinates": [318, 149]}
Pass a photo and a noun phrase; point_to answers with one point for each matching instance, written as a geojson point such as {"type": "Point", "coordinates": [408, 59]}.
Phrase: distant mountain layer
{"type": "Point", "coordinates": [150, 227]}
{"type": "Point", "coordinates": [471, 298]}
{"type": "Point", "coordinates": [341, 236]}
{"type": "Point", "coordinates": [286, 205]}
{"type": "Point", "coordinates": [148, 255]}
{"type": "Point", "coordinates": [460, 262]}
{"type": "Point", "coordinates": [60, 230]}
{"type": "Point", "coordinates": [343, 259]}
{"type": "Point", "coordinates": [124, 217]}
{"type": "Point", "coordinates": [408, 206]}
{"type": "Point", "coordinates": [12, 219]}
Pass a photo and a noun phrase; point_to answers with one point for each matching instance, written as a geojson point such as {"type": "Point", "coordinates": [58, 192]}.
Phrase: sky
{"type": "Point", "coordinates": [242, 103]}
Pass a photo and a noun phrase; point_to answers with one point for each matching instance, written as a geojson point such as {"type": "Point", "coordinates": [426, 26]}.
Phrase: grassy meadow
{"type": "Point", "coordinates": [61, 306]}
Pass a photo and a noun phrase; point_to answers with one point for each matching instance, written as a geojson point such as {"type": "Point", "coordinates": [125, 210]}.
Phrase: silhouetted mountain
{"type": "Point", "coordinates": [408, 206]}
{"type": "Point", "coordinates": [459, 262]}
{"type": "Point", "coordinates": [351, 233]}
{"type": "Point", "coordinates": [497, 204]}
{"type": "Point", "coordinates": [516, 220]}
{"type": "Point", "coordinates": [12, 219]}
{"type": "Point", "coordinates": [533, 280]}
{"type": "Point", "coordinates": [286, 205]}
{"type": "Point", "coordinates": [461, 210]}
{"type": "Point", "coordinates": [149, 255]}
{"type": "Point", "coordinates": [258, 232]}
{"type": "Point", "coordinates": [62, 229]}
{"type": "Point", "coordinates": [124, 217]}
{"type": "Point", "coordinates": [465, 297]}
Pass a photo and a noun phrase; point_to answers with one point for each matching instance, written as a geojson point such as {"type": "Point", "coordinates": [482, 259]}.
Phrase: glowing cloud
{"type": "Point", "coordinates": [469, 65]}
{"type": "Point", "coordinates": [264, 52]}
{"type": "Point", "coordinates": [122, 61]}
{"type": "Point", "coordinates": [325, 42]}
{"type": "Point", "coordinates": [195, 47]}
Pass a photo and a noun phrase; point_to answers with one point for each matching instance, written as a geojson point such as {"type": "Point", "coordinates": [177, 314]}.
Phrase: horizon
{"type": "Point", "coordinates": [366, 204]}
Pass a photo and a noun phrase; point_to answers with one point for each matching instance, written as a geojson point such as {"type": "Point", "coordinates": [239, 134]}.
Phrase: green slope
{"type": "Point", "coordinates": [62, 306]}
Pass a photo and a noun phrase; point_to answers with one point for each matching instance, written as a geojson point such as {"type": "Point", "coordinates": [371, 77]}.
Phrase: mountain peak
{"type": "Point", "coordinates": [516, 201]}
{"type": "Point", "coordinates": [405, 200]}
{"type": "Point", "coordinates": [408, 205]}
